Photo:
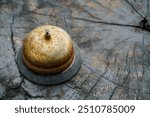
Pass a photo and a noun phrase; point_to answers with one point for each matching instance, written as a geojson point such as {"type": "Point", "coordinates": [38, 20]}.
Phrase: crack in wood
{"type": "Point", "coordinates": [100, 76]}
{"type": "Point", "coordinates": [28, 95]}
{"type": "Point", "coordinates": [108, 23]}
{"type": "Point", "coordinates": [113, 92]}
{"type": "Point", "coordinates": [5, 66]}
{"type": "Point", "coordinates": [11, 36]}
{"type": "Point", "coordinates": [66, 25]}
{"type": "Point", "coordinates": [147, 8]}
{"type": "Point", "coordinates": [135, 9]}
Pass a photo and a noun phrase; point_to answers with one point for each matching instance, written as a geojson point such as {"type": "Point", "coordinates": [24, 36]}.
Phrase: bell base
{"type": "Point", "coordinates": [48, 79]}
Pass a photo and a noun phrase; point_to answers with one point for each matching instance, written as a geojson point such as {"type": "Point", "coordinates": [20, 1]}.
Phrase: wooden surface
{"type": "Point", "coordinates": [114, 49]}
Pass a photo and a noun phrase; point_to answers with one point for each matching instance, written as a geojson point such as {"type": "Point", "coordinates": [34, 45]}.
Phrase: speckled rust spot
{"type": "Point", "coordinates": [48, 49]}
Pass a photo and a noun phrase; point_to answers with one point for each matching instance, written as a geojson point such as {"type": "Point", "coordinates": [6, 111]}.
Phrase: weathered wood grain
{"type": "Point", "coordinates": [115, 50]}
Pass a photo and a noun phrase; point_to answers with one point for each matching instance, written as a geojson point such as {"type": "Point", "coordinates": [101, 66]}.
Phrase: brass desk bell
{"type": "Point", "coordinates": [48, 56]}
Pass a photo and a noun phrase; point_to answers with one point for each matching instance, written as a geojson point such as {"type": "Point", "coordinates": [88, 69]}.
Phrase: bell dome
{"type": "Point", "coordinates": [48, 49]}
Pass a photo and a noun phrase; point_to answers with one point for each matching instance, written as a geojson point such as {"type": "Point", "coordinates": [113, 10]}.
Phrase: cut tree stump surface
{"type": "Point", "coordinates": [115, 50]}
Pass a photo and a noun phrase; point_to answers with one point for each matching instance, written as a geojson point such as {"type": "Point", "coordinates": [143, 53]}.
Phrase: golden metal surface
{"type": "Point", "coordinates": [48, 49]}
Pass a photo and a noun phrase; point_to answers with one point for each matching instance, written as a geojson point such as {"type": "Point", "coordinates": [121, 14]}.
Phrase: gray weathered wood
{"type": "Point", "coordinates": [115, 50]}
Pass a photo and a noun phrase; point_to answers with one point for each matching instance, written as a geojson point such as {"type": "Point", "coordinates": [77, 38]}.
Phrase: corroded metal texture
{"type": "Point", "coordinates": [48, 49]}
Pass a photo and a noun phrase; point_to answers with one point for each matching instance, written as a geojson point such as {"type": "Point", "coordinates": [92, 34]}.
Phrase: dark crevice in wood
{"type": "Point", "coordinates": [108, 23]}
{"type": "Point", "coordinates": [147, 8]}
{"type": "Point", "coordinates": [28, 95]}
{"type": "Point", "coordinates": [135, 9]}
{"type": "Point", "coordinates": [11, 36]}
{"type": "Point", "coordinates": [113, 92]}
{"type": "Point", "coordinates": [100, 77]}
